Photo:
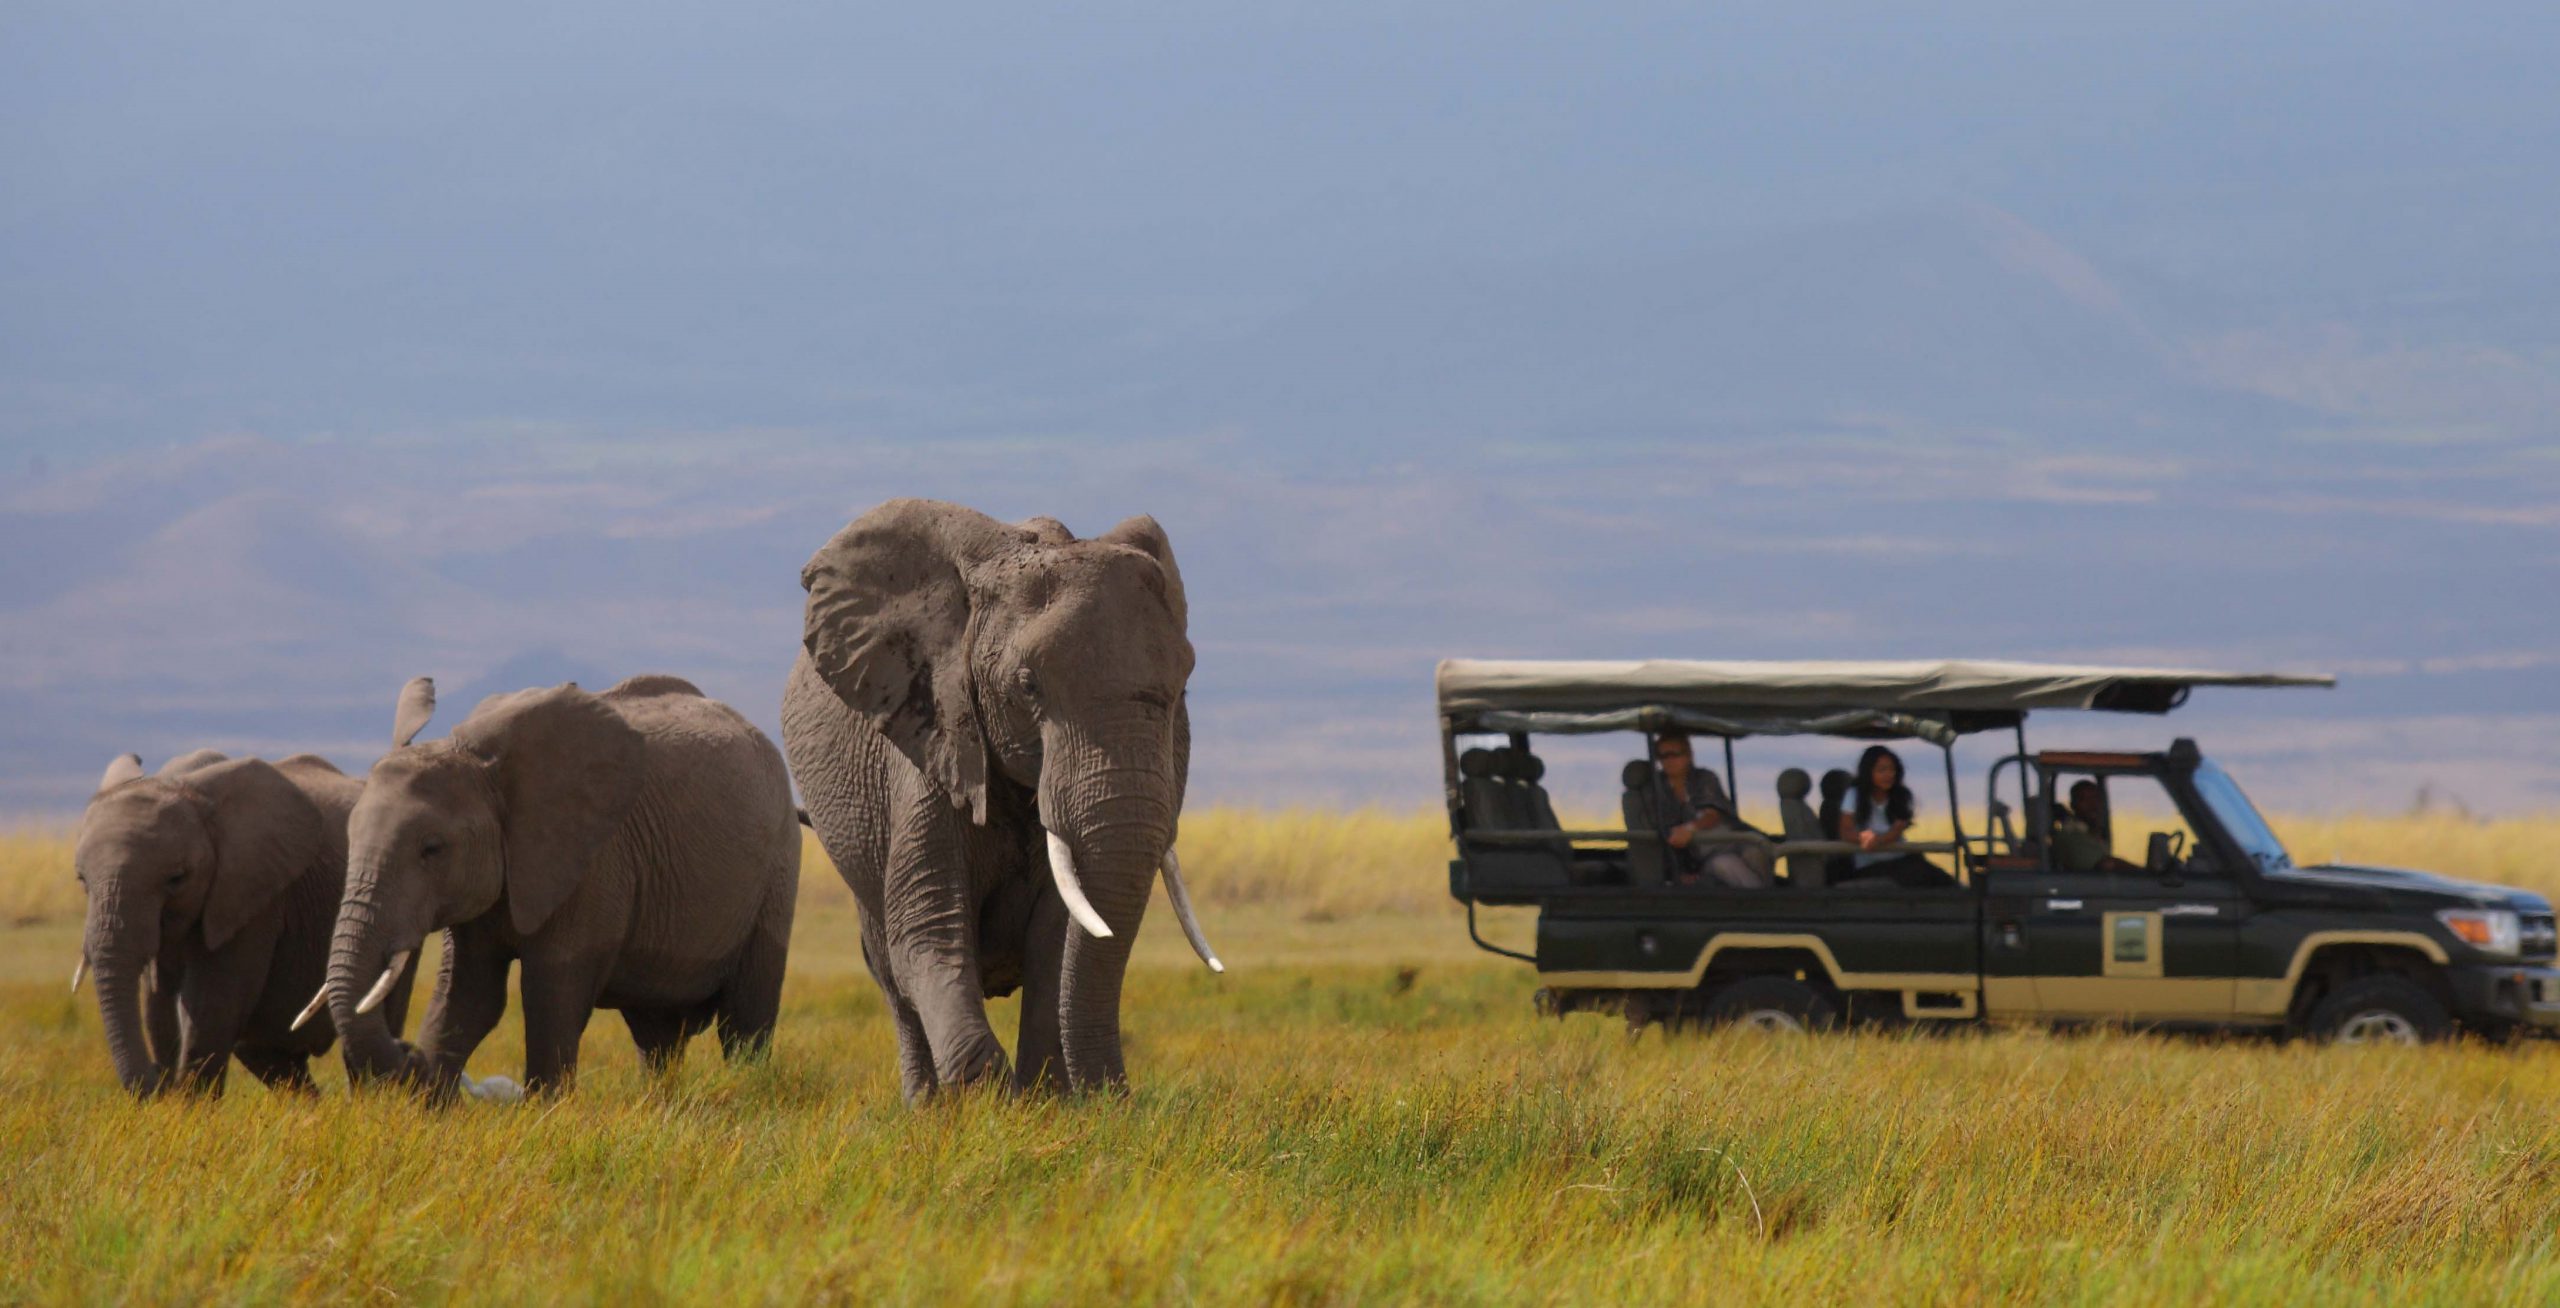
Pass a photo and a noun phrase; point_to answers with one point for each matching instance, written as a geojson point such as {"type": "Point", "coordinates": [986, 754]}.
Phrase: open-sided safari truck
{"type": "Point", "coordinates": [2210, 924]}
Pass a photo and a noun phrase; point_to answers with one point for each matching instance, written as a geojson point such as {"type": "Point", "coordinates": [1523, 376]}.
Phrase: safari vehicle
{"type": "Point", "coordinates": [2214, 926]}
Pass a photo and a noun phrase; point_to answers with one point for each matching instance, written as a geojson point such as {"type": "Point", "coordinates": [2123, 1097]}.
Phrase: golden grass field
{"type": "Point", "coordinates": [1364, 1109]}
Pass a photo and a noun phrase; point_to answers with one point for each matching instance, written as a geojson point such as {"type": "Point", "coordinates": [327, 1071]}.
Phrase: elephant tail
{"type": "Point", "coordinates": [803, 815]}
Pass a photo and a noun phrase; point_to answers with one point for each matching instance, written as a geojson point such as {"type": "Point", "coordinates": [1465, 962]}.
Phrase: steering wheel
{"type": "Point", "coordinates": [2167, 854]}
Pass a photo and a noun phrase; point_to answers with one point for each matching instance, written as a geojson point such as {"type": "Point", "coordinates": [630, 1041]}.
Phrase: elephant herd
{"type": "Point", "coordinates": [988, 728]}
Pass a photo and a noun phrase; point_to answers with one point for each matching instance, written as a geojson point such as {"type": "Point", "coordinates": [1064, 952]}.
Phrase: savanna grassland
{"type": "Point", "coordinates": [1363, 1109]}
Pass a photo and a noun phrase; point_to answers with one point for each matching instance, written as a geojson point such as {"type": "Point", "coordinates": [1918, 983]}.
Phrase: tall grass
{"type": "Point", "coordinates": [35, 876]}
{"type": "Point", "coordinates": [1322, 865]}
{"type": "Point", "coordinates": [1384, 1122]}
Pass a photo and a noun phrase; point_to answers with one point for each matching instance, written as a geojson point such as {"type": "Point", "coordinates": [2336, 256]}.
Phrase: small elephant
{"type": "Point", "coordinates": [989, 728]}
{"type": "Point", "coordinates": [214, 884]}
{"type": "Point", "coordinates": [635, 850]}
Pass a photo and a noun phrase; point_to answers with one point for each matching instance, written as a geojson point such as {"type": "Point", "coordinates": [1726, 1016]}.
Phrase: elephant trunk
{"type": "Point", "coordinates": [359, 954]}
{"type": "Point", "coordinates": [1108, 805]}
{"type": "Point", "coordinates": [120, 941]}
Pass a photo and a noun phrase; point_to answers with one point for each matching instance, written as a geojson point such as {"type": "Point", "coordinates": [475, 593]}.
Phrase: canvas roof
{"type": "Point", "coordinates": [1832, 697]}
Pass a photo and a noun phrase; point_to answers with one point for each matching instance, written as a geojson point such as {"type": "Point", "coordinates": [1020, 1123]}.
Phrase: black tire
{"type": "Point", "coordinates": [1770, 1003]}
{"type": "Point", "coordinates": [2379, 1010]}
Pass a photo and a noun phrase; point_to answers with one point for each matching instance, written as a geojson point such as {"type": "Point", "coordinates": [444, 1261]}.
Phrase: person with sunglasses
{"type": "Point", "coordinates": [1687, 802]}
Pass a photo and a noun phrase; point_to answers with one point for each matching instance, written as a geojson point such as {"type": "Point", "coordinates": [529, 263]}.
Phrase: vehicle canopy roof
{"type": "Point", "coordinates": [1934, 700]}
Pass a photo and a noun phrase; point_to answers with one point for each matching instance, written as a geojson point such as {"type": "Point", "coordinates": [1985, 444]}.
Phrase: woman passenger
{"type": "Point", "coordinates": [1688, 801]}
{"type": "Point", "coordinates": [1877, 821]}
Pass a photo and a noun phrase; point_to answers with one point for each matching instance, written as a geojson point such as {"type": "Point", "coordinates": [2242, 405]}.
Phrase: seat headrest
{"type": "Point", "coordinates": [1476, 764]}
{"type": "Point", "coordinates": [1528, 768]}
{"type": "Point", "coordinates": [1836, 783]}
{"type": "Point", "coordinates": [1636, 775]}
{"type": "Point", "coordinates": [1503, 766]}
{"type": "Point", "coordinates": [1793, 783]}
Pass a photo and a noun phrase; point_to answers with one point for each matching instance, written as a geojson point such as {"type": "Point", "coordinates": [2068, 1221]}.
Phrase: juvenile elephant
{"type": "Point", "coordinates": [635, 850]}
{"type": "Point", "coordinates": [988, 726]}
{"type": "Point", "coordinates": [212, 885]}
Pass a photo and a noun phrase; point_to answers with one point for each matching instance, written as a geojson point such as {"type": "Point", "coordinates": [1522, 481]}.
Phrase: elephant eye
{"type": "Point", "coordinates": [431, 849]}
{"type": "Point", "coordinates": [1027, 681]}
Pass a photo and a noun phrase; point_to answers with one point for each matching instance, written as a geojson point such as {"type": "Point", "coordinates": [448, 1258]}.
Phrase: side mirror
{"type": "Point", "coordinates": [2162, 856]}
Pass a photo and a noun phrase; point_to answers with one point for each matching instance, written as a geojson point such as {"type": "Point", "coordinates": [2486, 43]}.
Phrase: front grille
{"type": "Point", "coordinates": [2540, 938]}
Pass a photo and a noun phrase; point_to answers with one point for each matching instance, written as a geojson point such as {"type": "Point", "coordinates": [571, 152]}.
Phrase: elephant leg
{"type": "Point", "coordinates": [216, 994]}
{"type": "Point", "coordinates": [660, 1034]}
{"type": "Point", "coordinates": [930, 929]}
{"type": "Point", "coordinates": [1039, 1053]}
{"type": "Point", "coordinates": [470, 997]}
{"type": "Point", "coordinates": [752, 1001]}
{"type": "Point", "coordinates": [207, 1035]}
{"type": "Point", "coordinates": [559, 999]}
{"type": "Point", "coordinates": [915, 1053]}
{"type": "Point", "coordinates": [283, 1071]}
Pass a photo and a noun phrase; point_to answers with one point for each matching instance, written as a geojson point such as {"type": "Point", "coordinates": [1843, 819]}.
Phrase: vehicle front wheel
{"type": "Point", "coordinates": [1770, 1003]}
{"type": "Point", "coordinates": [2379, 1010]}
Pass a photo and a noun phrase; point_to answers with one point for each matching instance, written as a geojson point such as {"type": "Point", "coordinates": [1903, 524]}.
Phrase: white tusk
{"type": "Point", "coordinates": [312, 1009]}
{"type": "Point", "coordinates": [382, 989]}
{"type": "Point", "coordinates": [1182, 912]}
{"type": "Point", "coordinates": [79, 970]}
{"type": "Point", "coordinates": [1062, 865]}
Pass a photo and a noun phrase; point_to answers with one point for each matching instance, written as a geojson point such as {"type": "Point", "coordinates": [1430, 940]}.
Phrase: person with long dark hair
{"type": "Point", "coordinates": [1876, 819]}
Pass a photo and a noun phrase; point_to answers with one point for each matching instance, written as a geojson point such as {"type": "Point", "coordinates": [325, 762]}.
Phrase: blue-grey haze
{"type": "Point", "coordinates": [340, 344]}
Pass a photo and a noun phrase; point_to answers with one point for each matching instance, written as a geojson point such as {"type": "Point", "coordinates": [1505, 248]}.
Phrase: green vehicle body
{"type": "Point", "coordinates": [2225, 935]}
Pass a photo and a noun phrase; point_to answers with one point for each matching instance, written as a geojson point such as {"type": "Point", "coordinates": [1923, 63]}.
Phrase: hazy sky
{"type": "Point", "coordinates": [340, 345]}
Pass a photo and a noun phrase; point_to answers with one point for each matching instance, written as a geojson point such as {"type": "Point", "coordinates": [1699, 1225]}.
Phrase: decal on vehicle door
{"type": "Point", "coordinates": [2132, 942]}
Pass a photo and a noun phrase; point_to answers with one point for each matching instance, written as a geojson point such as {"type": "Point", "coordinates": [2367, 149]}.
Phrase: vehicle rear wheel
{"type": "Point", "coordinates": [2379, 1010]}
{"type": "Point", "coordinates": [1775, 1004]}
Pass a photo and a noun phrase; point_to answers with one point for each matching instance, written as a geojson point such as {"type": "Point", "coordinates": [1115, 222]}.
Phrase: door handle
{"type": "Point", "coordinates": [2062, 905]}
{"type": "Point", "coordinates": [2191, 910]}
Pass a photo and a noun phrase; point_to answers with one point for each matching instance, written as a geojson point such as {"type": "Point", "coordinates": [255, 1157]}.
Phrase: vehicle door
{"type": "Point", "coordinates": [2127, 916]}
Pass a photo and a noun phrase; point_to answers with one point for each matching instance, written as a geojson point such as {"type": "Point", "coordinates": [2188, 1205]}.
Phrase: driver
{"type": "Point", "coordinates": [1687, 802]}
{"type": "Point", "coordinates": [2083, 834]}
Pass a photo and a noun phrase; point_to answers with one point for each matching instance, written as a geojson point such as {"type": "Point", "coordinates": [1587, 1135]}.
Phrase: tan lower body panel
{"type": "Point", "coordinates": [2155, 999]}
{"type": "Point", "coordinates": [1814, 945]}
{"type": "Point", "coordinates": [2167, 999]}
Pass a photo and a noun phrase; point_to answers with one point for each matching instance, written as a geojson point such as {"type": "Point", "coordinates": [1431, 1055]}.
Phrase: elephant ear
{"type": "Point", "coordinates": [266, 834]}
{"type": "Point", "coordinates": [567, 769]}
{"type": "Point", "coordinates": [125, 768]}
{"type": "Point", "coordinates": [417, 704]}
{"type": "Point", "coordinates": [1144, 534]}
{"type": "Point", "coordinates": [888, 625]}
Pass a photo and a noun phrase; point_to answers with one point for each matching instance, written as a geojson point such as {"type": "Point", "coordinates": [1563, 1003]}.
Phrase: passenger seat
{"type": "Point", "coordinates": [1499, 792]}
{"type": "Point", "coordinates": [1480, 793]}
{"type": "Point", "coordinates": [1536, 811]}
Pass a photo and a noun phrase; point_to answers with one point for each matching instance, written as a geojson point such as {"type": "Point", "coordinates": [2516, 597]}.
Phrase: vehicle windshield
{"type": "Point", "coordinates": [2240, 817]}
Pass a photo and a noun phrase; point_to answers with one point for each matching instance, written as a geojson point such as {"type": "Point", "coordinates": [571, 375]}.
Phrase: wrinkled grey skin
{"type": "Point", "coordinates": [212, 887]}
{"type": "Point", "coordinates": [635, 850]}
{"type": "Point", "coordinates": [964, 685]}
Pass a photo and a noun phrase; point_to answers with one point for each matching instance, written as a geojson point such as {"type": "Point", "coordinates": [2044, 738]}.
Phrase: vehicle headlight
{"type": "Point", "coordinates": [2489, 930]}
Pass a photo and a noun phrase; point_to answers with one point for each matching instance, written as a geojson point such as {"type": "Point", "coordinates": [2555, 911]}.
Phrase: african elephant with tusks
{"type": "Point", "coordinates": [988, 726]}
{"type": "Point", "coordinates": [212, 886]}
{"type": "Point", "coordinates": [635, 850]}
